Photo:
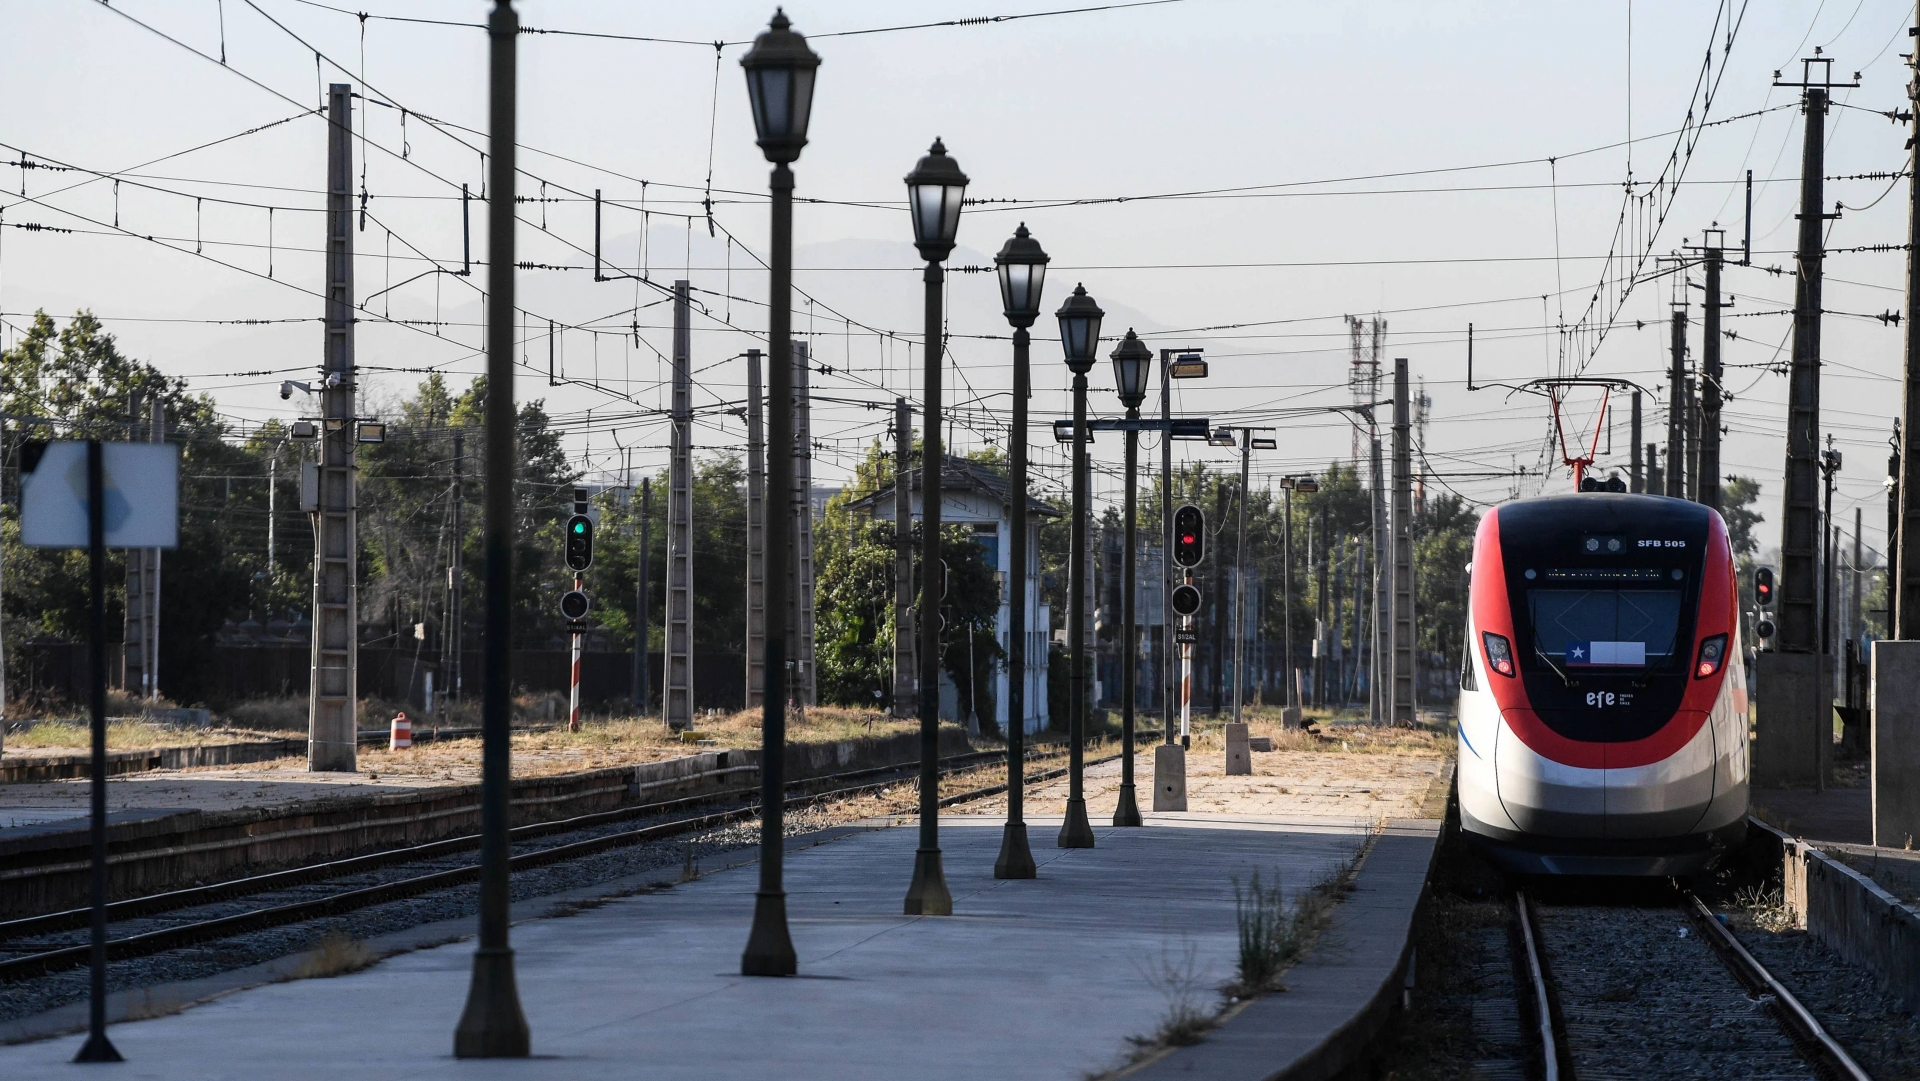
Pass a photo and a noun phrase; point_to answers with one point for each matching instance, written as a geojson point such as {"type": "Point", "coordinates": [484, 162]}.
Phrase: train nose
{"type": "Point", "coordinates": [1547, 797]}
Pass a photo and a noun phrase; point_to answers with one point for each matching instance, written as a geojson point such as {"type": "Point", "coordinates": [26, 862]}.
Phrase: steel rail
{"type": "Point", "coordinates": [1543, 1016]}
{"type": "Point", "coordinates": [1796, 1016]}
{"type": "Point", "coordinates": [158, 941]}
{"type": "Point", "coordinates": [151, 904]}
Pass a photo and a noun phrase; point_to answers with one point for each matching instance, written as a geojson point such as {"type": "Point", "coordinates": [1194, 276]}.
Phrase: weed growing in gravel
{"type": "Point", "coordinates": [336, 955]}
{"type": "Point", "coordinates": [1767, 908]}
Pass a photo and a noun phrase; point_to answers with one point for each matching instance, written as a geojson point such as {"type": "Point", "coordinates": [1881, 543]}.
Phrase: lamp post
{"type": "Point", "coordinates": [1132, 361]}
{"type": "Point", "coordinates": [492, 1025]}
{"type": "Point", "coordinates": [1079, 338]}
{"type": "Point", "coordinates": [935, 189]}
{"type": "Point", "coordinates": [780, 70]}
{"type": "Point", "coordinates": [1022, 267]}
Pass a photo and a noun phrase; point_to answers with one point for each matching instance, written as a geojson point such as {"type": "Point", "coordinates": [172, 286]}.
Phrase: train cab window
{"type": "Point", "coordinates": [1600, 629]}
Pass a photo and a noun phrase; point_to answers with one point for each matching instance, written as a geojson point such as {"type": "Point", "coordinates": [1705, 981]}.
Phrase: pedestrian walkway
{"type": "Point", "coordinates": [1037, 979]}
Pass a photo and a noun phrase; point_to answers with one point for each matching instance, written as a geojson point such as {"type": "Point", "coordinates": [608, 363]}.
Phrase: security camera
{"type": "Point", "coordinates": [286, 389]}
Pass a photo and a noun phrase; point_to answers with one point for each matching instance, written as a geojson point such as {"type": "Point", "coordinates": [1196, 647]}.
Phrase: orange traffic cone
{"type": "Point", "coordinates": [400, 735]}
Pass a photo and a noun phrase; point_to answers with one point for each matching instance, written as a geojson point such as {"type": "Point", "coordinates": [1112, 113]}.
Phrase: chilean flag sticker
{"type": "Point", "coordinates": [1606, 654]}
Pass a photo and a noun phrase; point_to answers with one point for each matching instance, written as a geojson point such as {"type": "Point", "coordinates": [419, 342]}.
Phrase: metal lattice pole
{"type": "Point", "coordinates": [756, 537]}
{"type": "Point", "coordinates": [331, 725]}
{"type": "Point", "coordinates": [677, 705]}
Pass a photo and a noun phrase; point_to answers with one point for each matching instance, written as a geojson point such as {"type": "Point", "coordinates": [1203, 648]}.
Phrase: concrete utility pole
{"type": "Point", "coordinates": [1636, 481]}
{"type": "Point", "coordinates": [800, 626]}
{"type": "Point", "coordinates": [1710, 370]}
{"type": "Point", "coordinates": [1320, 551]}
{"type": "Point", "coordinates": [1677, 402]}
{"type": "Point", "coordinates": [1380, 681]}
{"type": "Point", "coordinates": [1240, 579]}
{"type": "Point", "coordinates": [642, 606]}
{"type": "Point", "coordinates": [906, 672]}
{"type": "Point", "coordinates": [1656, 484]}
{"type": "Point", "coordinates": [143, 585]}
{"type": "Point", "coordinates": [677, 696]}
{"type": "Point", "coordinates": [756, 538]}
{"type": "Point", "coordinates": [1903, 549]}
{"type": "Point", "coordinates": [1402, 532]}
{"type": "Point", "coordinates": [1220, 614]}
{"type": "Point", "coordinates": [332, 727]}
{"type": "Point", "coordinates": [1793, 726]}
{"type": "Point", "coordinates": [456, 579]}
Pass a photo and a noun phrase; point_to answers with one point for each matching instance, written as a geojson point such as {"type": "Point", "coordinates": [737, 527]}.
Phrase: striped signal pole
{"type": "Point", "coordinates": [573, 683]}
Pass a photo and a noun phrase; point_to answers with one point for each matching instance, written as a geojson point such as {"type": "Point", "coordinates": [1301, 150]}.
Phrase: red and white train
{"type": "Point", "coordinates": [1603, 704]}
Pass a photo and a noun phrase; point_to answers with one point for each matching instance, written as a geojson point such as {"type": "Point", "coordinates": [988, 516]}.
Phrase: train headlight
{"type": "Point", "coordinates": [1499, 653]}
{"type": "Point", "coordinates": [1713, 654]}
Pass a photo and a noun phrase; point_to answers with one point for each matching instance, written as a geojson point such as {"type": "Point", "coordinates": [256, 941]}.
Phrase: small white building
{"type": "Point", "coordinates": [976, 495]}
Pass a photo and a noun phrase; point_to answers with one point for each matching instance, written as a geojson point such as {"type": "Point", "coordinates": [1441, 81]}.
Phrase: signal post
{"type": "Point", "coordinates": [1170, 759]}
{"type": "Point", "coordinates": [574, 604]}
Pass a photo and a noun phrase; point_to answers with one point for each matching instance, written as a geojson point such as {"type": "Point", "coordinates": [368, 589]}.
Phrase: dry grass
{"type": "Point", "coordinates": [1335, 737]}
{"type": "Point", "coordinates": [1765, 909]}
{"type": "Point", "coordinates": [75, 737]}
{"type": "Point", "coordinates": [616, 741]}
{"type": "Point", "coordinates": [336, 955]}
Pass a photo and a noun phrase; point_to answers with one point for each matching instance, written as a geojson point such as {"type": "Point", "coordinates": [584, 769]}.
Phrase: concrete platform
{"type": "Point", "coordinates": [1039, 979]}
{"type": "Point", "coordinates": [1843, 815]}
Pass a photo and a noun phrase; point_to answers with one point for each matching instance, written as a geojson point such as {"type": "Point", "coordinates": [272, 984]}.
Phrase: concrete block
{"type": "Point", "coordinates": [1793, 731]}
{"type": "Point", "coordinates": [1260, 743]}
{"type": "Point", "coordinates": [1896, 743]}
{"type": "Point", "coordinates": [1290, 717]}
{"type": "Point", "coordinates": [1239, 756]}
{"type": "Point", "coordinates": [1169, 777]}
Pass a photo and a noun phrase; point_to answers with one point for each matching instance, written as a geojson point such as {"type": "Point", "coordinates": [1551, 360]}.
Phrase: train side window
{"type": "Point", "coordinates": [1468, 681]}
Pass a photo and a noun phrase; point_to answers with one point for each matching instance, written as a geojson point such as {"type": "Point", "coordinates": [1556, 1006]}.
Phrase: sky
{"type": "Point", "coordinates": [1235, 176]}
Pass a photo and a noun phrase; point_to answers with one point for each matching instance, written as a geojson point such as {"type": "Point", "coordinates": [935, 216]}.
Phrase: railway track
{"type": "Point", "coordinates": [40, 945]}
{"type": "Point", "coordinates": [1651, 991]}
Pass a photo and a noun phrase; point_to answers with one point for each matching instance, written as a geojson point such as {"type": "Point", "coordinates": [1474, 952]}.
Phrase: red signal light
{"type": "Point", "coordinates": [1713, 654]}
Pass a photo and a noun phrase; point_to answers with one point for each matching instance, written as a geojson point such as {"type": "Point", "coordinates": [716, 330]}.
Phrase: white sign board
{"type": "Point", "coordinates": [141, 483]}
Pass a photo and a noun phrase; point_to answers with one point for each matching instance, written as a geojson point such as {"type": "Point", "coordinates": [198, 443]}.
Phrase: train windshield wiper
{"type": "Point", "coordinates": [1569, 683]}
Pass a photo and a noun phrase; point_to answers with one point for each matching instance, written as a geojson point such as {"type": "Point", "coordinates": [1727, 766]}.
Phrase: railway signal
{"type": "Point", "coordinates": [1763, 596]}
{"type": "Point", "coordinates": [1189, 536]}
{"type": "Point", "coordinates": [579, 542]}
{"type": "Point", "coordinates": [573, 606]}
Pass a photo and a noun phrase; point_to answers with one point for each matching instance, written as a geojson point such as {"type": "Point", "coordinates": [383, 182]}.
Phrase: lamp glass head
{"type": "Point", "coordinates": [1080, 329]}
{"type": "Point", "coordinates": [1022, 267]}
{"type": "Point", "coordinates": [780, 70]}
{"type": "Point", "coordinates": [1132, 361]}
{"type": "Point", "coordinates": [935, 190]}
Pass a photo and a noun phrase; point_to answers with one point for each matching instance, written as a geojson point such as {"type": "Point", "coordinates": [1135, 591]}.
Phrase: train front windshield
{"type": "Point", "coordinates": [1605, 628]}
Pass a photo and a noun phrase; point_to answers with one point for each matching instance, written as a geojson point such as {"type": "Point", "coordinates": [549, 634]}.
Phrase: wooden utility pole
{"type": "Point", "coordinates": [332, 727]}
{"type": "Point", "coordinates": [756, 538]}
{"type": "Point", "coordinates": [677, 696]}
{"type": "Point", "coordinates": [906, 678]}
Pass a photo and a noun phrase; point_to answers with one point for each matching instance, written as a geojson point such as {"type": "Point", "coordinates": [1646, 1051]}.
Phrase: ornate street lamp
{"type": "Point", "coordinates": [780, 70]}
{"type": "Point", "coordinates": [1079, 338]}
{"type": "Point", "coordinates": [1022, 267]}
{"type": "Point", "coordinates": [935, 190]}
{"type": "Point", "coordinates": [1132, 362]}
{"type": "Point", "coordinates": [492, 1025]}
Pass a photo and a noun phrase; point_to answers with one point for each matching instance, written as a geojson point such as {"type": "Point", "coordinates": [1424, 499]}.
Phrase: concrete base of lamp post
{"type": "Point", "coordinates": [1076, 831]}
{"type": "Point", "coordinates": [1169, 777]}
{"type": "Point", "coordinates": [1239, 755]}
{"type": "Point", "coordinates": [927, 894]}
{"type": "Point", "coordinates": [1016, 859]}
{"type": "Point", "coordinates": [1127, 811]}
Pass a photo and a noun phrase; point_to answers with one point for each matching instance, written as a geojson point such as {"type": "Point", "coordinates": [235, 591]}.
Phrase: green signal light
{"type": "Point", "coordinates": [579, 527]}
